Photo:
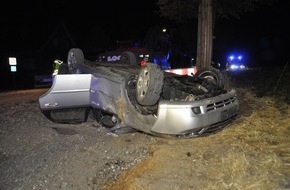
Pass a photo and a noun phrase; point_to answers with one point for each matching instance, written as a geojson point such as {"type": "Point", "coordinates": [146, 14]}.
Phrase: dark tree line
{"type": "Point", "coordinates": [207, 11]}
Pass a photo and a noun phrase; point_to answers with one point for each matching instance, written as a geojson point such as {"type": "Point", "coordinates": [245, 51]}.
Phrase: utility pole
{"type": "Point", "coordinates": [205, 34]}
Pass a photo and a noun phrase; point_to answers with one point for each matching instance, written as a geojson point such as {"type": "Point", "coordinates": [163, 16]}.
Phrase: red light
{"type": "Point", "coordinates": [143, 63]}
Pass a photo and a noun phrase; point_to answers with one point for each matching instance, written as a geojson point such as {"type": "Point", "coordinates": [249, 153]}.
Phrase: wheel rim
{"type": "Point", "coordinates": [143, 83]}
{"type": "Point", "coordinates": [71, 61]}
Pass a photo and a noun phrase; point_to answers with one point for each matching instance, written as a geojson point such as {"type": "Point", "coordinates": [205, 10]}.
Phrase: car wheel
{"type": "Point", "coordinates": [129, 58]}
{"type": "Point", "coordinates": [105, 119]}
{"type": "Point", "coordinates": [75, 57]}
{"type": "Point", "coordinates": [149, 84]}
{"type": "Point", "coordinates": [211, 78]}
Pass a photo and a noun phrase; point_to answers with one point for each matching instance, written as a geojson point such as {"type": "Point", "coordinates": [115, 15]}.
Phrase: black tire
{"type": "Point", "coordinates": [75, 57]}
{"type": "Point", "coordinates": [211, 78]}
{"type": "Point", "coordinates": [105, 119]}
{"type": "Point", "coordinates": [149, 84]}
{"type": "Point", "coordinates": [128, 57]}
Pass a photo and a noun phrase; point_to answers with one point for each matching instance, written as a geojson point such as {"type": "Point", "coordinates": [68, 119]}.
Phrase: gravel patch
{"type": "Point", "coordinates": [36, 153]}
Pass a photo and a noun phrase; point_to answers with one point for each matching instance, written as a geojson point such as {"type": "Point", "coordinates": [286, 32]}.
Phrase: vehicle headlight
{"type": "Point", "coordinates": [234, 67]}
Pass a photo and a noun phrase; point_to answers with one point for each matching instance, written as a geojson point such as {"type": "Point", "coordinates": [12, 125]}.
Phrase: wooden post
{"type": "Point", "coordinates": [204, 35]}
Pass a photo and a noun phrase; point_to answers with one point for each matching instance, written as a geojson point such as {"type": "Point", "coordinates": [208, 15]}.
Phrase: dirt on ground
{"type": "Point", "coordinates": [36, 153]}
{"type": "Point", "coordinates": [253, 152]}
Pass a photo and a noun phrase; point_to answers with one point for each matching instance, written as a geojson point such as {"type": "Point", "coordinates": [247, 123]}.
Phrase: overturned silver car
{"type": "Point", "coordinates": [144, 98]}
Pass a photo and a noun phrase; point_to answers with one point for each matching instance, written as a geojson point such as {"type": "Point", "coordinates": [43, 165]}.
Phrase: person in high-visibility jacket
{"type": "Point", "coordinates": [57, 64]}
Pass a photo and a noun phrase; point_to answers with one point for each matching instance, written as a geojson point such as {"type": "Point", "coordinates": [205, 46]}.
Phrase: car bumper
{"type": "Point", "coordinates": [195, 117]}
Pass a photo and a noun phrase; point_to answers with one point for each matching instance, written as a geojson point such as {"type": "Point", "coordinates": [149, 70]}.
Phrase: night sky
{"type": "Point", "coordinates": [263, 36]}
{"type": "Point", "coordinates": [34, 21]}
{"type": "Point", "coordinates": [28, 24]}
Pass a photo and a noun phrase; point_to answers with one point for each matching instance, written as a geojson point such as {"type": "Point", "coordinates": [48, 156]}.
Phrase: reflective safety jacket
{"type": "Point", "coordinates": [56, 66]}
